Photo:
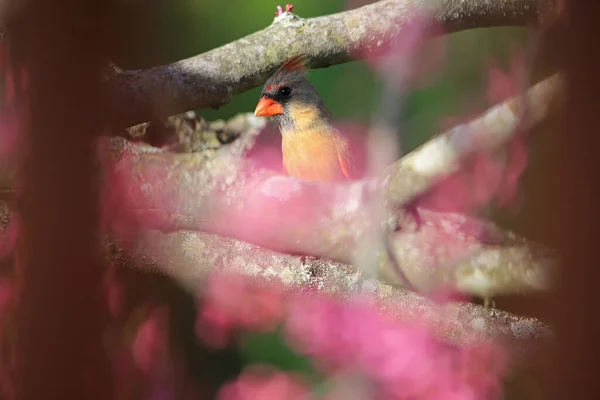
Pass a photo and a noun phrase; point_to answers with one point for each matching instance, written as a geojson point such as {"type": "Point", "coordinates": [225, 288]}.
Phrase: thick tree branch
{"type": "Point", "coordinates": [190, 256]}
{"type": "Point", "coordinates": [214, 78]}
{"type": "Point", "coordinates": [224, 193]}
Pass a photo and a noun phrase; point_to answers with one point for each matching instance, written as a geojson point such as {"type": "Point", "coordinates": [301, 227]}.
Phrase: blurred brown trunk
{"type": "Point", "coordinates": [61, 308]}
{"type": "Point", "coordinates": [572, 219]}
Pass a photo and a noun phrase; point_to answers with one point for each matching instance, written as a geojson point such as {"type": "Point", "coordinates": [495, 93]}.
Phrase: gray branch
{"type": "Point", "coordinates": [212, 79]}
{"type": "Point", "coordinates": [189, 256]}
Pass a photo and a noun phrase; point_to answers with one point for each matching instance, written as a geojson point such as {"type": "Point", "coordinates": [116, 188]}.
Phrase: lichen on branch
{"type": "Point", "coordinates": [189, 257]}
{"type": "Point", "coordinates": [213, 78]}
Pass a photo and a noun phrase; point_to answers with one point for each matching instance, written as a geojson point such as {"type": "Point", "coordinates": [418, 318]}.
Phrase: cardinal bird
{"type": "Point", "coordinates": [312, 148]}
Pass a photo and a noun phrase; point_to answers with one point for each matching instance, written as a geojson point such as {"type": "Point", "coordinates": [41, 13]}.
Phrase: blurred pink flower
{"type": "Point", "coordinates": [478, 181]}
{"type": "Point", "coordinates": [402, 360]}
{"type": "Point", "coordinates": [214, 326]}
{"type": "Point", "coordinates": [263, 383]}
{"type": "Point", "coordinates": [413, 58]}
{"type": "Point", "coordinates": [150, 345]}
{"type": "Point", "coordinates": [115, 292]}
{"type": "Point", "coordinates": [352, 337]}
{"type": "Point", "coordinates": [488, 176]}
{"type": "Point", "coordinates": [508, 195]}
{"type": "Point", "coordinates": [235, 301]}
{"type": "Point", "coordinates": [501, 84]}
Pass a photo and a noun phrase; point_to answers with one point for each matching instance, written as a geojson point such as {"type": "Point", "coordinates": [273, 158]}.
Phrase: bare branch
{"type": "Point", "coordinates": [214, 78]}
{"type": "Point", "coordinates": [190, 256]}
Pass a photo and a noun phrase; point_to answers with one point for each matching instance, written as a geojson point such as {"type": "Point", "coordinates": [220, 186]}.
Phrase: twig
{"type": "Point", "coordinates": [212, 79]}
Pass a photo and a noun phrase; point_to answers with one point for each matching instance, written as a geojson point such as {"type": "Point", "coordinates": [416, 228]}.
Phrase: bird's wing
{"type": "Point", "coordinates": [346, 159]}
{"type": "Point", "coordinates": [345, 164]}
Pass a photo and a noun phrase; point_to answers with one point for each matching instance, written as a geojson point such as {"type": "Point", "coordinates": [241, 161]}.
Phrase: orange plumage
{"type": "Point", "coordinates": [312, 148]}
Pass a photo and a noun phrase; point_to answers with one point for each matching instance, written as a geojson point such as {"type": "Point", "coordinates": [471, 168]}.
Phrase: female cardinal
{"type": "Point", "coordinates": [312, 148]}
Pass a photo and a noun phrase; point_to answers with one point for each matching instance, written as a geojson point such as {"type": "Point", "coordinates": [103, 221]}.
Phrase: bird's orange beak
{"type": "Point", "coordinates": [267, 107]}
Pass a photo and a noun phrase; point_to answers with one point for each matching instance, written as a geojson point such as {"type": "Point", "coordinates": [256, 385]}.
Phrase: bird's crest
{"type": "Point", "coordinates": [296, 63]}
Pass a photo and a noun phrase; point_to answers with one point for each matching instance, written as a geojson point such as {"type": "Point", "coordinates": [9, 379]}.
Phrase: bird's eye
{"type": "Point", "coordinates": [285, 91]}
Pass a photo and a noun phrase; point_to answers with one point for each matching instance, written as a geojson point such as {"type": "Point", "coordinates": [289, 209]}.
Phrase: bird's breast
{"type": "Point", "coordinates": [316, 155]}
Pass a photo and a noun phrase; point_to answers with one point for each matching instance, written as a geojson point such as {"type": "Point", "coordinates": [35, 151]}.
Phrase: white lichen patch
{"type": "Point", "coordinates": [348, 201]}
{"type": "Point", "coordinates": [250, 269]}
{"type": "Point", "coordinates": [487, 259]}
{"type": "Point", "coordinates": [475, 282]}
{"type": "Point", "coordinates": [270, 272]}
{"type": "Point", "coordinates": [478, 324]}
{"type": "Point", "coordinates": [498, 125]}
{"type": "Point", "coordinates": [280, 187]}
{"type": "Point", "coordinates": [433, 159]}
{"type": "Point", "coordinates": [193, 65]}
{"type": "Point", "coordinates": [369, 286]}
{"type": "Point", "coordinates": [524, 328]}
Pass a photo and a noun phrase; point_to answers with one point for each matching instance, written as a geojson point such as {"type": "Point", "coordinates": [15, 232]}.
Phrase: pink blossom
{"type": "Point", "coordinates": [472, 187]}
{"type": "Point", "coordinates": [235, 301]}
{"type": "Point", "coordinates": [214, 326]}
{"type": "Point", "coordinates": [262, 383]}
{"type": "Point", "coordinates": [412, 59]}
{"type": "Point", "coordinates": [502, 85]}
{"type": "Point", "coordinates": [396, 359]}
{"type": "Point", "coordinates": [309, 328]}
{"type": "Point", "coordinates": [150, 345]}
{"type": "Point", "coordinates": [508, 193]}
{"type": "Point", "coordinates": [402, 360]}
{"type": "Point", "coordinates": [488, 175]}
